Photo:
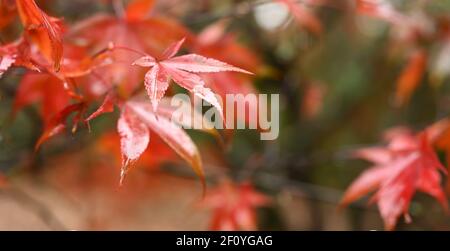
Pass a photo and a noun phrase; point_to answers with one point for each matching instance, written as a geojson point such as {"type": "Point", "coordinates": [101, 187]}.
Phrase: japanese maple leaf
{"type": "Point", "coordinates": [57, 123]}
{"type": "Point", "coordinates": [53, 93]}
{"type": "Point", "coordinates": [43, 30]}
{"type": "Point", "coordinates": [7, 12]}
{"type": "Point", "coordinates": [184, 71]}
{"type": "Point", "coordinates": [407, 164]}
{"type": "Point", "coordinates": [136, 119]}
{"type": "Point", "coordinates": [234, 206]}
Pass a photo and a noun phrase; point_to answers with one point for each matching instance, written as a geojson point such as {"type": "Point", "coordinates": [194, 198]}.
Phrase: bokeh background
{"type": "Point", "coordinates": [337, 94]}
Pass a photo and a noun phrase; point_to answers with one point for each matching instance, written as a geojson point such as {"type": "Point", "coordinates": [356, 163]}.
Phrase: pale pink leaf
{"type": "Point", "coordinates": [303, 17]}
{"type": "Point", "coordinates": [212, 33]}
{"type": "Point", "coordinates": [367, 182]}
{"type": "Point", "coordinates": [173, 49]}
{"type": "Point", "coordinates": [184, 114]}
{"type": "Point", "coordinates": [146, 61]}
{"type": "Point", "coordinates": [429, 182]}
{"type": "Point", "coordinates": [134, 137]}
{"type": "Point", "coordinates": [195, 85]}
{"type": "Point", "coordinates": [199, 64]}
{"type": "Point", "coordinates": [156, 84]}
{"type": "Point", "coordinates": [377, 155]}
{"type": "Point", "coordinates": [172, 134]}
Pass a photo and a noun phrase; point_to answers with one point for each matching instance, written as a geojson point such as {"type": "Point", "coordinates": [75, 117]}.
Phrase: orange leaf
{"type": "Point", "coordinates": [139, 9]}
{"type": "Point", "coordinates": [43, 30]}
{"type": "Point", "coordinates": [410, 77]}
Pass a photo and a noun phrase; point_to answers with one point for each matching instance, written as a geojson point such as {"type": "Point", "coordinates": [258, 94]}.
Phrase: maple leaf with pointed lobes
{"type": "Point", "coordinates": [183, 70]}
{"type": "Point", "coordinates": [234, 206]}
{"type": "Point", "coordinates": [406, 165]}
{"type": "Point", "coordinates": [136, 118]}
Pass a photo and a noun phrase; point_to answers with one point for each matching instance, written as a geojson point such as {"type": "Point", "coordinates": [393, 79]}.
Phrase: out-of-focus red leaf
{"type": "Point", "coordinates": [378, 155]}
{"type": "Point", "coordinates": [215, 42]}
{"type": "Point", "coordinates": [406, 165]}
{"type": "Point", "coordinates": [234, 206]}
{"type": "Point", "coordinates": [106, 107]}
{"type": "Point", "coordinates": [380, 9]}
{"type": "Point", "coordinates": [43, 30]}
{"type": "Point", "coordinates": [7, 12]}
{"type": "Point", "coordinates": [57, 123]}
{"type": "Point", "coordinates": [303, 16]}
{"type": "Point", "coordinates": [411, 76]}
{"type": "Point", "coordinates": [139, 9]}
{"type": "Point", "coordinates": [43, 88]}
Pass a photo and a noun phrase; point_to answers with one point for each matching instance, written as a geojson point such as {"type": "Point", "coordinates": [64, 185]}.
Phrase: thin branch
{"type": "Point", "coordinates": [35, 206]}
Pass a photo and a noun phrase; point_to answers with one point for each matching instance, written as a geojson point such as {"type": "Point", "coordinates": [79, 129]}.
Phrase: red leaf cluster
{"type": "Point", "coordinates": [406, 165]}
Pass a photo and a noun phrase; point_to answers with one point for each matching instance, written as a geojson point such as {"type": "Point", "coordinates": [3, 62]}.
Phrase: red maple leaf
{"type": "Point", "coordinates": [43, 30]}
{"type": "Point", "coordinates": [234, 206]}
{"type": "Point", "coordinates": [136, 119]}
{"type": "Point", "coordinates": [184, 71]}
{"type": "Point", "coordinates": [407, 164]}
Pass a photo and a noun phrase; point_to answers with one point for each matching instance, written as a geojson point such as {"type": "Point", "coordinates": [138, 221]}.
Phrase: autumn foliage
{"type": "Point", "coordinates": [124, 61]}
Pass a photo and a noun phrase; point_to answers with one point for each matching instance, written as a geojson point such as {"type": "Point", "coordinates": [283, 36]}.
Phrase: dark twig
{"type": "Point", "coordinates": [31, 204]}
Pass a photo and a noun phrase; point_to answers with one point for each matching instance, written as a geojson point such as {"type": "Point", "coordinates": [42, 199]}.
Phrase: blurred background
{"type": "Point", "coordinates": [337, 73]}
